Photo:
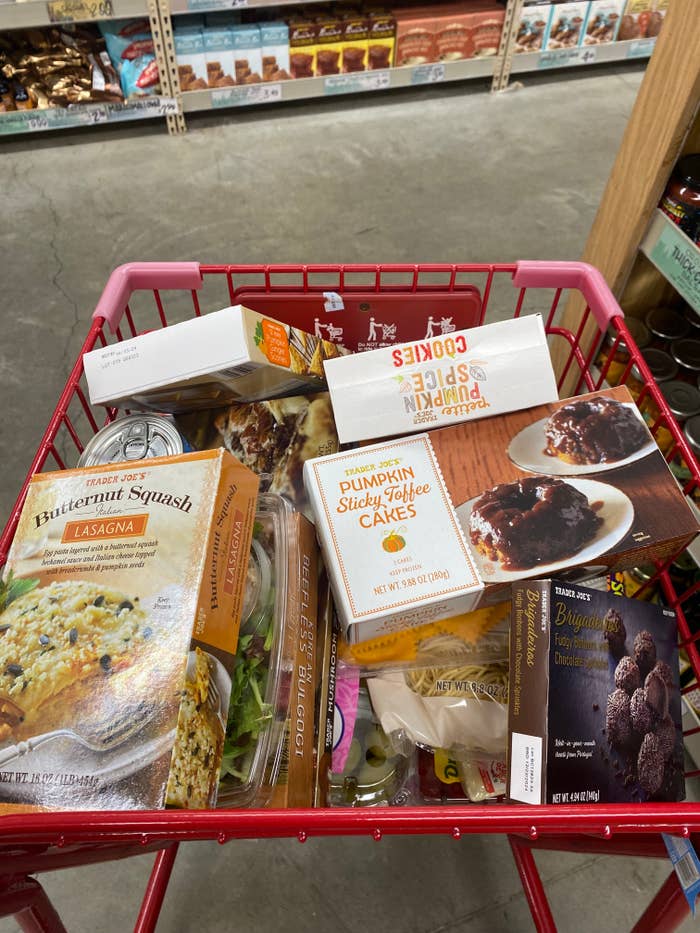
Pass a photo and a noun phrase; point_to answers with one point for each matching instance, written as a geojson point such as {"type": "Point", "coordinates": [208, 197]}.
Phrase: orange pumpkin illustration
{"type": "Point", "coordinates": [393, 542]}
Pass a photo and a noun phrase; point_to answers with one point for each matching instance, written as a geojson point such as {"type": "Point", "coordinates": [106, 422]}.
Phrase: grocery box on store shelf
{"type": "Point", "coordinates": [247, 53]}
{"type": "Point", "coordinates": [486, 24]}
{"type": "Point", "coordinates": [274, 37]}
{"type": "Point", "coordinates": [329, 42]}
{"type": "Point", "coordinates": [303, 33]}
{"type": "Point", "coordinates": [532, 30]}
{"type": "Point", "coordinates": [473, 373]}
{"type": "Point", "coordinates": [230, 355]}
{"type": "Point", "coordinates": [218, 48]}
{"type": "Point", "coordinates": [120, 614]}
{"type": "Point", "coordinates": [355, 44]}
{"type": "Point", "coordinates": [415, 37]}
{"type": "Point", "coordinates": [381, 39]}
{"type": "Point", "coordinates": [603, 22]}
{"type": "Point", "coordinates": [565, 29]}
{"type": "Point", "coordinates": [642, 19]}
{"type": "Point", "coordinates": [594, 698]}
{"type": "Point", "coordinates": [191, 57]}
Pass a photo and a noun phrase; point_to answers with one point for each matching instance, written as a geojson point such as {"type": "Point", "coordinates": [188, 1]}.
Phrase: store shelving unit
{"type": "Point", "coordinates": [664, 124]}
{"type": "Point", "coordinates": [308, 88]}
{"type": "Point", "coordinates": [631, 50]}
{"type": "Point", "coordinates": [173, 105]}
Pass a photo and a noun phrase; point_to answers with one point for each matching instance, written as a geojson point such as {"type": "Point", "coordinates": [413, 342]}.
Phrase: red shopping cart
{"type": "Point", "coordinates": [141, 296]}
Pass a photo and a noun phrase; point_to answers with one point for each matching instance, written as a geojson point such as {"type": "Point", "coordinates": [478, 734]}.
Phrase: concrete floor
{"type": "Point", "coordinates": [444, 174]}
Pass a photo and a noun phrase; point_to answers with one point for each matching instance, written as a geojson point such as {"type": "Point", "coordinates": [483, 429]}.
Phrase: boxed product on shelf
{"type": "Point", "coordinates": [191, 58]}
{"type": "Point", "coordinates": [121, 609]}
{"type": "Point", "coordinates": [486, 24]}
{"type": "Point", "coordinates": [533, 26]}
{"type": "Point", "coordinates": [453, 34]}
{"type": "Point", "coordinates": [247, 53]}
{"type": "Point", "coordinates": [382, 39]}
{"type": "Point", "coordinates": [603, 21]}
{"type": "Point", "coordinates": [329, 42]}
{"type": "Point", "coordinates": [355, 41]}
{"type": "Point", "coordinates": [566, 25]}
{"type": "Point", "coordinates": [303, 33]}
{"type": "Point", "coordinates": [595, 704]}
{"type": "Point", "coordinates": [218, 49]}
{"type": "Point", "coordinates": [274, 38]}
{"type": "Point", "coordinates": [642, 19]}
{"type": "Point", "coordinates": [230, 355]}
{"type": "Point", "coordinates": [468, 374]}
{"type": "Point", "coordinates": [415, 37]}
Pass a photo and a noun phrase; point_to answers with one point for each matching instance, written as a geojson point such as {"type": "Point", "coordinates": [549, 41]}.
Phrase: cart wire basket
{"type": "Point", "coordinates": [143, 296]}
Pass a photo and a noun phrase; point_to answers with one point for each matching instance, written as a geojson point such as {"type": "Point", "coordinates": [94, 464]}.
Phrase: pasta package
{"type": "Point", "coordinates": [462, 707]}
{"type": "Point", "coordinates": [441, 640]}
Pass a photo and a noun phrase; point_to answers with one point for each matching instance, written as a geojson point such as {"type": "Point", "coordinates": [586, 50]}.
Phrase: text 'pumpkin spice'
{"type": "Point", "coordinates": [118, 631]}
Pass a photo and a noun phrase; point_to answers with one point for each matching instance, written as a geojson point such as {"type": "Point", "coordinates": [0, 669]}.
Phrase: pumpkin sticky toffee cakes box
{"type": "Point", "coordinates": [119, 622]}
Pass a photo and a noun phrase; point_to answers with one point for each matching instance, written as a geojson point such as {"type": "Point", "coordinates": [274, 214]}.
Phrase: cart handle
{"type": "Point", "coordinates": [580, 275]}
{"type": "Point", "coordinates": [187, 275]}
{"type": "Point", "coordinates": [145, 275]}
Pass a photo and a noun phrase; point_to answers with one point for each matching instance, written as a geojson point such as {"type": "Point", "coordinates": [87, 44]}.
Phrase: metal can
{"type": "Point", "coordinates": [686, 352]}
{"type": "Point", "coordinates": [677, 464]}
{"type": "Point", "coordinates": [136, 437]}
{"type": "Point", "coordinates": [665, 325]}
{"type": "Point", "coordinates": [662, 366]}
{"type": "Point", "coordinates": [683, 401]}
{"type": "Point", "coordinates": [620, 357]}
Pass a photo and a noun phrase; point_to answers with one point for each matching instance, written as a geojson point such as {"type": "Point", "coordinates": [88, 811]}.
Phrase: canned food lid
{"type": "Point", "coordinates": [135, 437]}
{"type": "Point", "coordinates": [665, 323]}
{"type": "Point", "coordinates": [692, 317]}
{"type": "Point", "coordinates": [683, 399]}
{"type": "Point", "coordinates": [638, 330]}
{"type": "Point", "coordinates": [662, 365]}
{"type": "Point", "coordinates": [692, 433]}
{"type": "Point", "coordinates": [686, 352]}
{"type": "Point", "coordinates": [643, 573]}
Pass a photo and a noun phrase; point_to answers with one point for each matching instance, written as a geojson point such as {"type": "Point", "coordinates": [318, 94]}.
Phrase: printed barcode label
{"type": "Point", "coordinates": [235, 371]}
{"type": "Point", "coordinates": [526, 768]}
{"type": "Point", "coordinates": [687, 871]}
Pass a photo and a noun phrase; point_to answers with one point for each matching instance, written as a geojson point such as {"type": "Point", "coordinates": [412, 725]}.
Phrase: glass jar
{"type": "Point", "coordinates": [620, 357]}
{"type": "Point", "coordinates": [663, 368]}
{"type": "Point", "coordinates": [665, 326]}
{"type": "Point", "coordinates": [682, 399]}
{"type": "Point", "coordinates": [686, 352]}
{"type": "Point", "coordinates": [681, 199]}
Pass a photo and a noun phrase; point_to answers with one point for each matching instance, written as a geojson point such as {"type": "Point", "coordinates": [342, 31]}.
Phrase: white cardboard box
{"type": "Point", "coordinates": [395, 552]}
{"type": "Point", "coordinates": [442, 380]}
{"type": "Point", "coordinates": [230, 355]}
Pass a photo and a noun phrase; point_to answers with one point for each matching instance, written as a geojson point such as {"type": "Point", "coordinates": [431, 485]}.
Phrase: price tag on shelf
{"type": "Point", "coordinates": [141, 109]}
{"type": "Point", "coordinates": [678, 258]}
{"type": "Point", "coordinates": [68, 11]}
{"type": "Point", "coordinates": [246, 95]}
{"type": "Point", "coordinates": [641, 48]}
{"type": "Point", "coordinates": [209, 5]}
{"type": "Point", "coordinates": [565, 58]}
{"type": "Point", "coordinates": [428, 74]}
{"type": "Point", "coordinates": [360, 81]}
{"type": "Point", "coordinates": [25, 121]}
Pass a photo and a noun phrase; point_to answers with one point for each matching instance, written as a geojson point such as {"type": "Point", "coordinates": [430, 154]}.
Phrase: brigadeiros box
{"type": "Point", "coordinates": [119, 631]}
{"type": "Point", "coordinates": [594, 699]}
{"type": "Point", "coordinates": [230, 355]}
{"type": "Point", "coordinates": [442, 380]}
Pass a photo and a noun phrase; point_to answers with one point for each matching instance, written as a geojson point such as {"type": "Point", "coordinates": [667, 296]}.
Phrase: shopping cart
{"type": "Point", "coordinates": [141, 296]}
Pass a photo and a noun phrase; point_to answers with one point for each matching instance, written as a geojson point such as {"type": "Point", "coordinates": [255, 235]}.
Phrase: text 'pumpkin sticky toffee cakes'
{"type": "Point", "coordinates": [594, 430]}
{"type": "Point", "coordinates": [536, 520]}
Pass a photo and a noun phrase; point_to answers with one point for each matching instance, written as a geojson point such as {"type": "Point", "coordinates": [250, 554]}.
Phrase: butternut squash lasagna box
{"type": "Point", "coordinates": [120, 608]}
